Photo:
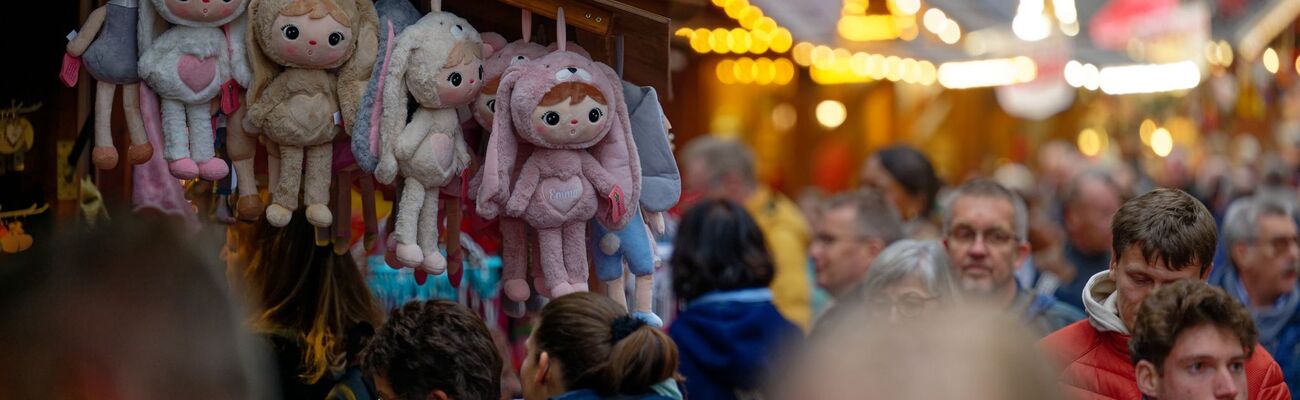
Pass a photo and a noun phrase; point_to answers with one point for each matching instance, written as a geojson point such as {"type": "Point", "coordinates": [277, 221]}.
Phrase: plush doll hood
{"type": "Point", "coordinates": [264, 13]}
{"type": "Point", "coordinates": [161, 7]}
{"type": "Point", "coordinates": [533, 80]}
{"type": "Point", "coordinates": [433, 38]}
{"type": "Point", "coordinates": [509, 55]}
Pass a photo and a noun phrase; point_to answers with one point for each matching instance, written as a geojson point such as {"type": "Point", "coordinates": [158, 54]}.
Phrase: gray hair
{"type": "Point", "coordinates": [1073, 188]}
{"type": "Point", "coordinates": [990, 189]}
{"type": "Point", "coordinates": [907, 258]}
{"type": "Point", "coordinates": [1243, 217]}
{"type": "Point", "coordinates": [874, 215]}
{"type": "Point", "coordinates": [723, 156]}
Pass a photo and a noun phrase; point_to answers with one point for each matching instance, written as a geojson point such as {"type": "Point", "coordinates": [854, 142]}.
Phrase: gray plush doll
{"type": "Point", "coordinates": [394, 17]}
{"type": "Point", "coordinates": [188, 66]}
{"type": "Point", "coordinates": [107, 47]}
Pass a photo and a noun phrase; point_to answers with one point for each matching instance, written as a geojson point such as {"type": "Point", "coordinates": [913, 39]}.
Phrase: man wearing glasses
{"type": "Point", "coordinates": [986, 235]}
{"type": "Point", "coordinates": [1263, 258]}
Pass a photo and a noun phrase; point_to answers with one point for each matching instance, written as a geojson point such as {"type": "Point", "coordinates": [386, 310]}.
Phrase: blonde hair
{"type": "Point", "coordinates": [463, 52]}
{"type": "Point", "coordinates": [317, 9]}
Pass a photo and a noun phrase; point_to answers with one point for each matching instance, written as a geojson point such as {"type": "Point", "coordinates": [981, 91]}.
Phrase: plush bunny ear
{"type": "Point", "coordinates": [394, 106]}
{"type": "Point", "coordinates": [503, 149]}
{"type": "Point", "coordinates": [264, 70]}
{"type": "Point", "coordinates": [370, 113]}
{"type": "Point", "coordinates": [354, 75]}
{"type": "Point", "coordinates": [493, 39]}
{"type": "Point", "coordinates": [148, 26]}
{"type": "Point", "coordinates": [617, 153]}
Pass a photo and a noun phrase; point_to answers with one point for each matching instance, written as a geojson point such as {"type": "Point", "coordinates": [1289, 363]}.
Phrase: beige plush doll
{"type": "Point", "coordinates": [297, 101]}
{"type": "Point", "coordinates": [438, 61]}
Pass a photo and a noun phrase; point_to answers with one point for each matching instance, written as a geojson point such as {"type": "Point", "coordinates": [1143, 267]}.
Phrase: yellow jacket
{"type": "Point", "coordinates": [787, 237]}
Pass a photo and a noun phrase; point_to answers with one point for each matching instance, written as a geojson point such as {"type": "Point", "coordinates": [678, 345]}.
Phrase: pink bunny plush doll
{"type": "Point", "coordinates": [438, 61]}
{"type": "Point", "coordinates": [293, 45]}
{"type": "Point", "coordinates": [583, 164]}
{"type": "Point", "coordinates": [187, 66]}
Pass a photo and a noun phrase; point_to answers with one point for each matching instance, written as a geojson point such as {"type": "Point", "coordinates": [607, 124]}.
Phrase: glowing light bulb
{"type": "Point", "coordinates": [1162, 143]}
{"type": "Point", "coordinates": [831, 114]}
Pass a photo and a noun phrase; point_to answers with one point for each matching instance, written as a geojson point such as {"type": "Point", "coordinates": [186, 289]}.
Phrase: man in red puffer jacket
{"type": "Point", "coordinates": [1159, 238]}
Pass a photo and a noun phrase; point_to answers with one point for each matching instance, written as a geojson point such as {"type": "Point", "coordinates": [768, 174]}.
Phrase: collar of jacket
{"type": "Point", "coordinates": [754, 295]}
{"type": "Point", "coordinates": [1100, 296]}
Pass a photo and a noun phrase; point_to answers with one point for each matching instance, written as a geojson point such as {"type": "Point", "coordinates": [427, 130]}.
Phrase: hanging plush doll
{"type": "Point", "coordinates": [107, 47]}
{"type": "Point", "coordinates": [188, 66]}
{"type": "Point", "coordinates": [514, 231]}
{"type": "Point", "coordinates": [241, 146]}
{"type": "Point", "coordinates": [438, 61]}
{"type": "Point", "coordinates": [394, 17]}
{"type": "Point", "coordinates": [633, 245]}
{"type": "Point", "coordinates": [293, 45]}
{"type": "Point", "coordinates": [584, 163]}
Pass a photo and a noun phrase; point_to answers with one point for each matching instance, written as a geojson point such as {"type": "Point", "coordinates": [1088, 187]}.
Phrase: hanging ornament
{"type": "Point", "coordinates": [16, 137]}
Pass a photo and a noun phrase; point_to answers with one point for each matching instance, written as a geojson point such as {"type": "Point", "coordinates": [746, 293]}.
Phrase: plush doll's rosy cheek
{"type": "Point", "coordinates": [572, 113]}
{"type": "Point", "coordinates": [204, 11]}
{"type": "Point", "coordinates": [458, 84]}
{"type": "Point", "coordinates": [311, 42]}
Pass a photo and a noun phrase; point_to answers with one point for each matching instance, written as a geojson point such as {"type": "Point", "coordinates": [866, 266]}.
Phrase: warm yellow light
{"type": "Point", "coordinates": [1089, 142]}
{"type": "Point", "coordinates": [745, 70]}
{"type": "Point", "coordinates": [766, 73]}
{"type": "Point", "coordinates": [1031, 27]}
{"type": "Point", "coordinates": [1270, 60]}
{"type": "Point", "coordinates": [684, 32]}
{"type": "Point", "coordinates": [823, 57]}
{"type": "Point", "coordinates": [831, 113]}
{"type": "Point", "coordinates": [983, 73]}
{"type": "Point", "coordinates": [734, 7]}
{"type": "Point", "coordinates": [1065, 12]}
{"type": "Point", "coordinates": [1091, 77]}
{"type": "Point", "coordinates": [1073, 73]}
{"type": "Point", "coordinates": [951, 32]}
{"type": "Point", "coordinates": [911, 70]}
{"type": "Point", "coordinates": [739, 41]}
{"type": "Point", "coordinates": [749, 17]}
{"type": "Point", "coordinates": [726, 71]}
{"type": "Point", "coordinates": [1150, 78]}
{"type": "Point", "coordinates": [721, 3]}
{"type": "Point", "coordinates": [781, 40]}
{"type": "Point", "coordinates": [784, 71]}
{"type": "Point", "coordinates": [934, 20]}
{"type": "Point", "coordinates": [718, 40]}
{"type": "Point", "coordinates": [862, 28]}
{"type": "Point", "coordinates": [759, 42]}
{"type": "Point", "coordinates": [1225, 53]}
{"type": "Point", "coordinates": [803, 53]}
{"type": "Point", "coordinates": [784, 117]}
{"type": "Point", "coordinates": [854, 7]}
{"type": "Point", "coordinates": [1070, 29]}
{"type": "Point", "coordinates": [765, 24]}
{"type": "Point", "coordinates": [700, 40]}
{"type": "Point", "coordinates": [1145, 130]}
{"type": "Point", "coordinates": [895, 71]}
{"type": "Point", "coordinates": [1024, 68]}
{"type": "Point", "coordinates": [1162, 143]}
{"type": "Point", "coordinates": [928, 73]}
{"type": "Point", "coordinates": [907, 7]}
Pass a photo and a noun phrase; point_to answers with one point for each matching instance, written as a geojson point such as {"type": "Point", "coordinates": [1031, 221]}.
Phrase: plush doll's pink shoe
{"type": "Point", "coordinates": [104, 157]}
{"type": "Point", "coordinates": [434, 263]}
{"type": "Point", "coordinates": [139, 153]}
{"type": "Point", "coordinates": [390, 253]}
{"type": "Point", "coordinates": [183, 168]}
{"type": "Point", "coordinates": [409, 254]}
{"type": "Point", "coordinates": [516, 290]}
{"type": "Point", "coordinates": [562, 289]}
{"type": "Point", "coordinates": [213, 169]}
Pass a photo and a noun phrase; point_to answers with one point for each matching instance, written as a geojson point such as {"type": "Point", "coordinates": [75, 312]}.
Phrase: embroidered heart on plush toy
{"type": "Point", "coordinates": [197, 73]}
{"type": "Point", "coordinates": [562, 194]}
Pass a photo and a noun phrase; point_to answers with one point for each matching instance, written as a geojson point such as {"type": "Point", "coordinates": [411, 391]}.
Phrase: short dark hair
{"type": "Point", "coordinates": [1170, 225]}
{"type": "Point", "coordinates": [913, 171]}
{"type": "Point", "coordinates": [719, 247]}
{"type": "Point", "coordinates": [435, 345]}
{"type": "Point", "coordinates": [1183, 305]}
{"type": "Point", "coordinates": [874, 216]}
{"type": "Point", "coordinates": [1074, 187]}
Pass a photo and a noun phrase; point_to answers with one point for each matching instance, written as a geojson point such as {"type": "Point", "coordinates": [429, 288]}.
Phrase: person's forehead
{"type": "Point", "coordinates": [968, 209]}
{"type": "Point", "coordinates": [836, 218]}
{"type": "Point", "coordinates": [1276, 223]}
{"type": "Point", "coordinates": [1132, 261]}
{"type": "Point", "coordinates": [1206, 341]}
{"type": "Point", "coordinates": [1094, 192]}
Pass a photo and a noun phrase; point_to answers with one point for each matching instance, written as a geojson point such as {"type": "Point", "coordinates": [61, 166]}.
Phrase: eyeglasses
{"type": "Point", "coordinates": [908, 305]}
{"type": "Point", "coordinates": [995, 237]}
{"type": "Point", "coordinates": [1280, 244]}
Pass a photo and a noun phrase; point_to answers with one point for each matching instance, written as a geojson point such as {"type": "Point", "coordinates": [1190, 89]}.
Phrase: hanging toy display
{"type": "Point", "coordinates": [438, 61]}
{"type": "Point", "coordinates": [16, 137]}
{"type": "Point", "coordinates": [107, 46]}
{"type": "Point", "coordinates": [296, 101]}
{"type": "Point", "coordinates": [241, 146]}
{"type": "Point", "coordinates": [188, 66]}
{"type": "Point", "coordinates": [584, 163]}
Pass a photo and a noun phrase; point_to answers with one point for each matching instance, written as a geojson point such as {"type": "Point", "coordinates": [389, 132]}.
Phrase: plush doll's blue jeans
{"type": "Point", "coordinates": [633, 245]}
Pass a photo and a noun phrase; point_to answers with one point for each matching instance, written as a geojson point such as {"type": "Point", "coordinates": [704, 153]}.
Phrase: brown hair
{"type": "Point", "coordinates": [1183, 305]}
{"type": "Point", "coordinates": [1170, 225]}
{"type": "Point", "coordinates": [317, 9]}
{"type": "Point", "coordinates": [463, 52]}
{"type": "Point", "coordinates": [435, 345]}
{"type": "Point", "coordinates": [490, 87]}
{"type": "Point", "coordinates": [306, 292]}
{"type": "Point", "coordinates": [578, 331]}
{"type": "Point", "coordinates": [574, 92]}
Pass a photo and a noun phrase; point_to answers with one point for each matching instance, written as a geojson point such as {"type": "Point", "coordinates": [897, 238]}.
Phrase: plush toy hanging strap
{"type": "Point", "coordinates": [561, 39]}
{"type": "Point", "coordinates": [435, 6]}
{"type": "Point", "coordinates": [526, 25]}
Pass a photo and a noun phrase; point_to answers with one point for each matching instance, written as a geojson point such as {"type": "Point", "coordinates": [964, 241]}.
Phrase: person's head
{"type": "Point", "coordinates": [910, 279]}
{"type": "Point", "coordinates": [1089, 201]}
{"type": "Point", "coordinates": [1191, 341]}
{"type": "Point", "coordinates": [587, 341]}
{"type": "Point", "coordinates": [850, 230]}
{"type": "Point", "coordinates": [719, 247]}
{"type": "Point", "coordinates": [433, 350]}
{"type": "Point", "coordinates": [986, 233]}
{"type": "Point", "coordinates": [1260, 235]}
{"type": "Point", "coordinates": [958, 353]}
{"type": "Point", "coordinates": [718, 168]}
{"type": "Point", "coordinates": [299, 288]}
{"type": "Point", "coordinates": [131, 310]}
{"type": "Point", "coordinates": [906, 177]}
{"type": "Point", "coordinates": [1160, 237]}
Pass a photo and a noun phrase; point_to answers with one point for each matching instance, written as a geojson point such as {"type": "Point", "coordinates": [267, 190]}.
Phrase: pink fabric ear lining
{"type": "Point", "coordinates": [526, 21]}
{"type": "Point", "coordinates": [561, 34]}
{"type": "Point", "coordinates": [375, 114]}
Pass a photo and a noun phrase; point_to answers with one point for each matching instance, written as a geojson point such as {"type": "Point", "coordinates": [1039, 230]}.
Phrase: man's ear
{"type": "Point", "coordinates": [437, 395]}
{"type": "Point", "coordinates": [1022, 251]}
{"type": "Point", "coordinates": [543, 366]}
{"type": "Point", "coordinates": [1148, 379]}
{"type": "Point", "coordinates": [1236, 253]}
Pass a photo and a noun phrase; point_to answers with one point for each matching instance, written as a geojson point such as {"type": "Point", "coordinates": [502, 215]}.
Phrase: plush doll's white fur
{"type": "Point", "coordinates": [438, 61]}
{"type": "Point", "coordinates": [187, 66]}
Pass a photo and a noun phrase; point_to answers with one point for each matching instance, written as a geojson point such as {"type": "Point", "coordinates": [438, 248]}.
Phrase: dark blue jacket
{"type": "Point", "coordinates": [727, 341]}
{"type": "Point", "coordinates": [1279, 325]}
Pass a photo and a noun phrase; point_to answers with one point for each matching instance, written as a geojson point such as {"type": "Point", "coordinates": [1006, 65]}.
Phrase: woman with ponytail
{"type": "Point", "coordinates": [586, 346]}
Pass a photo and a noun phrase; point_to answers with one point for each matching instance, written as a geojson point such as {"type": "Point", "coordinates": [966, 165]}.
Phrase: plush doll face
{"type": "Point", "coordinates": [485, 105]}
{"type": "Point", "coordinates": [310, 42]}
{"type": "Point", "coordinates": [449, 84]}
{"type": "Point", "coordinates": [572, 112]}
{"type": "Point", "coordinates": [204, 11]}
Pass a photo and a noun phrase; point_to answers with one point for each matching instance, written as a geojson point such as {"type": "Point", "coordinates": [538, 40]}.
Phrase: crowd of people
{"type": "Point", "coordinates": [1088, 281]}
